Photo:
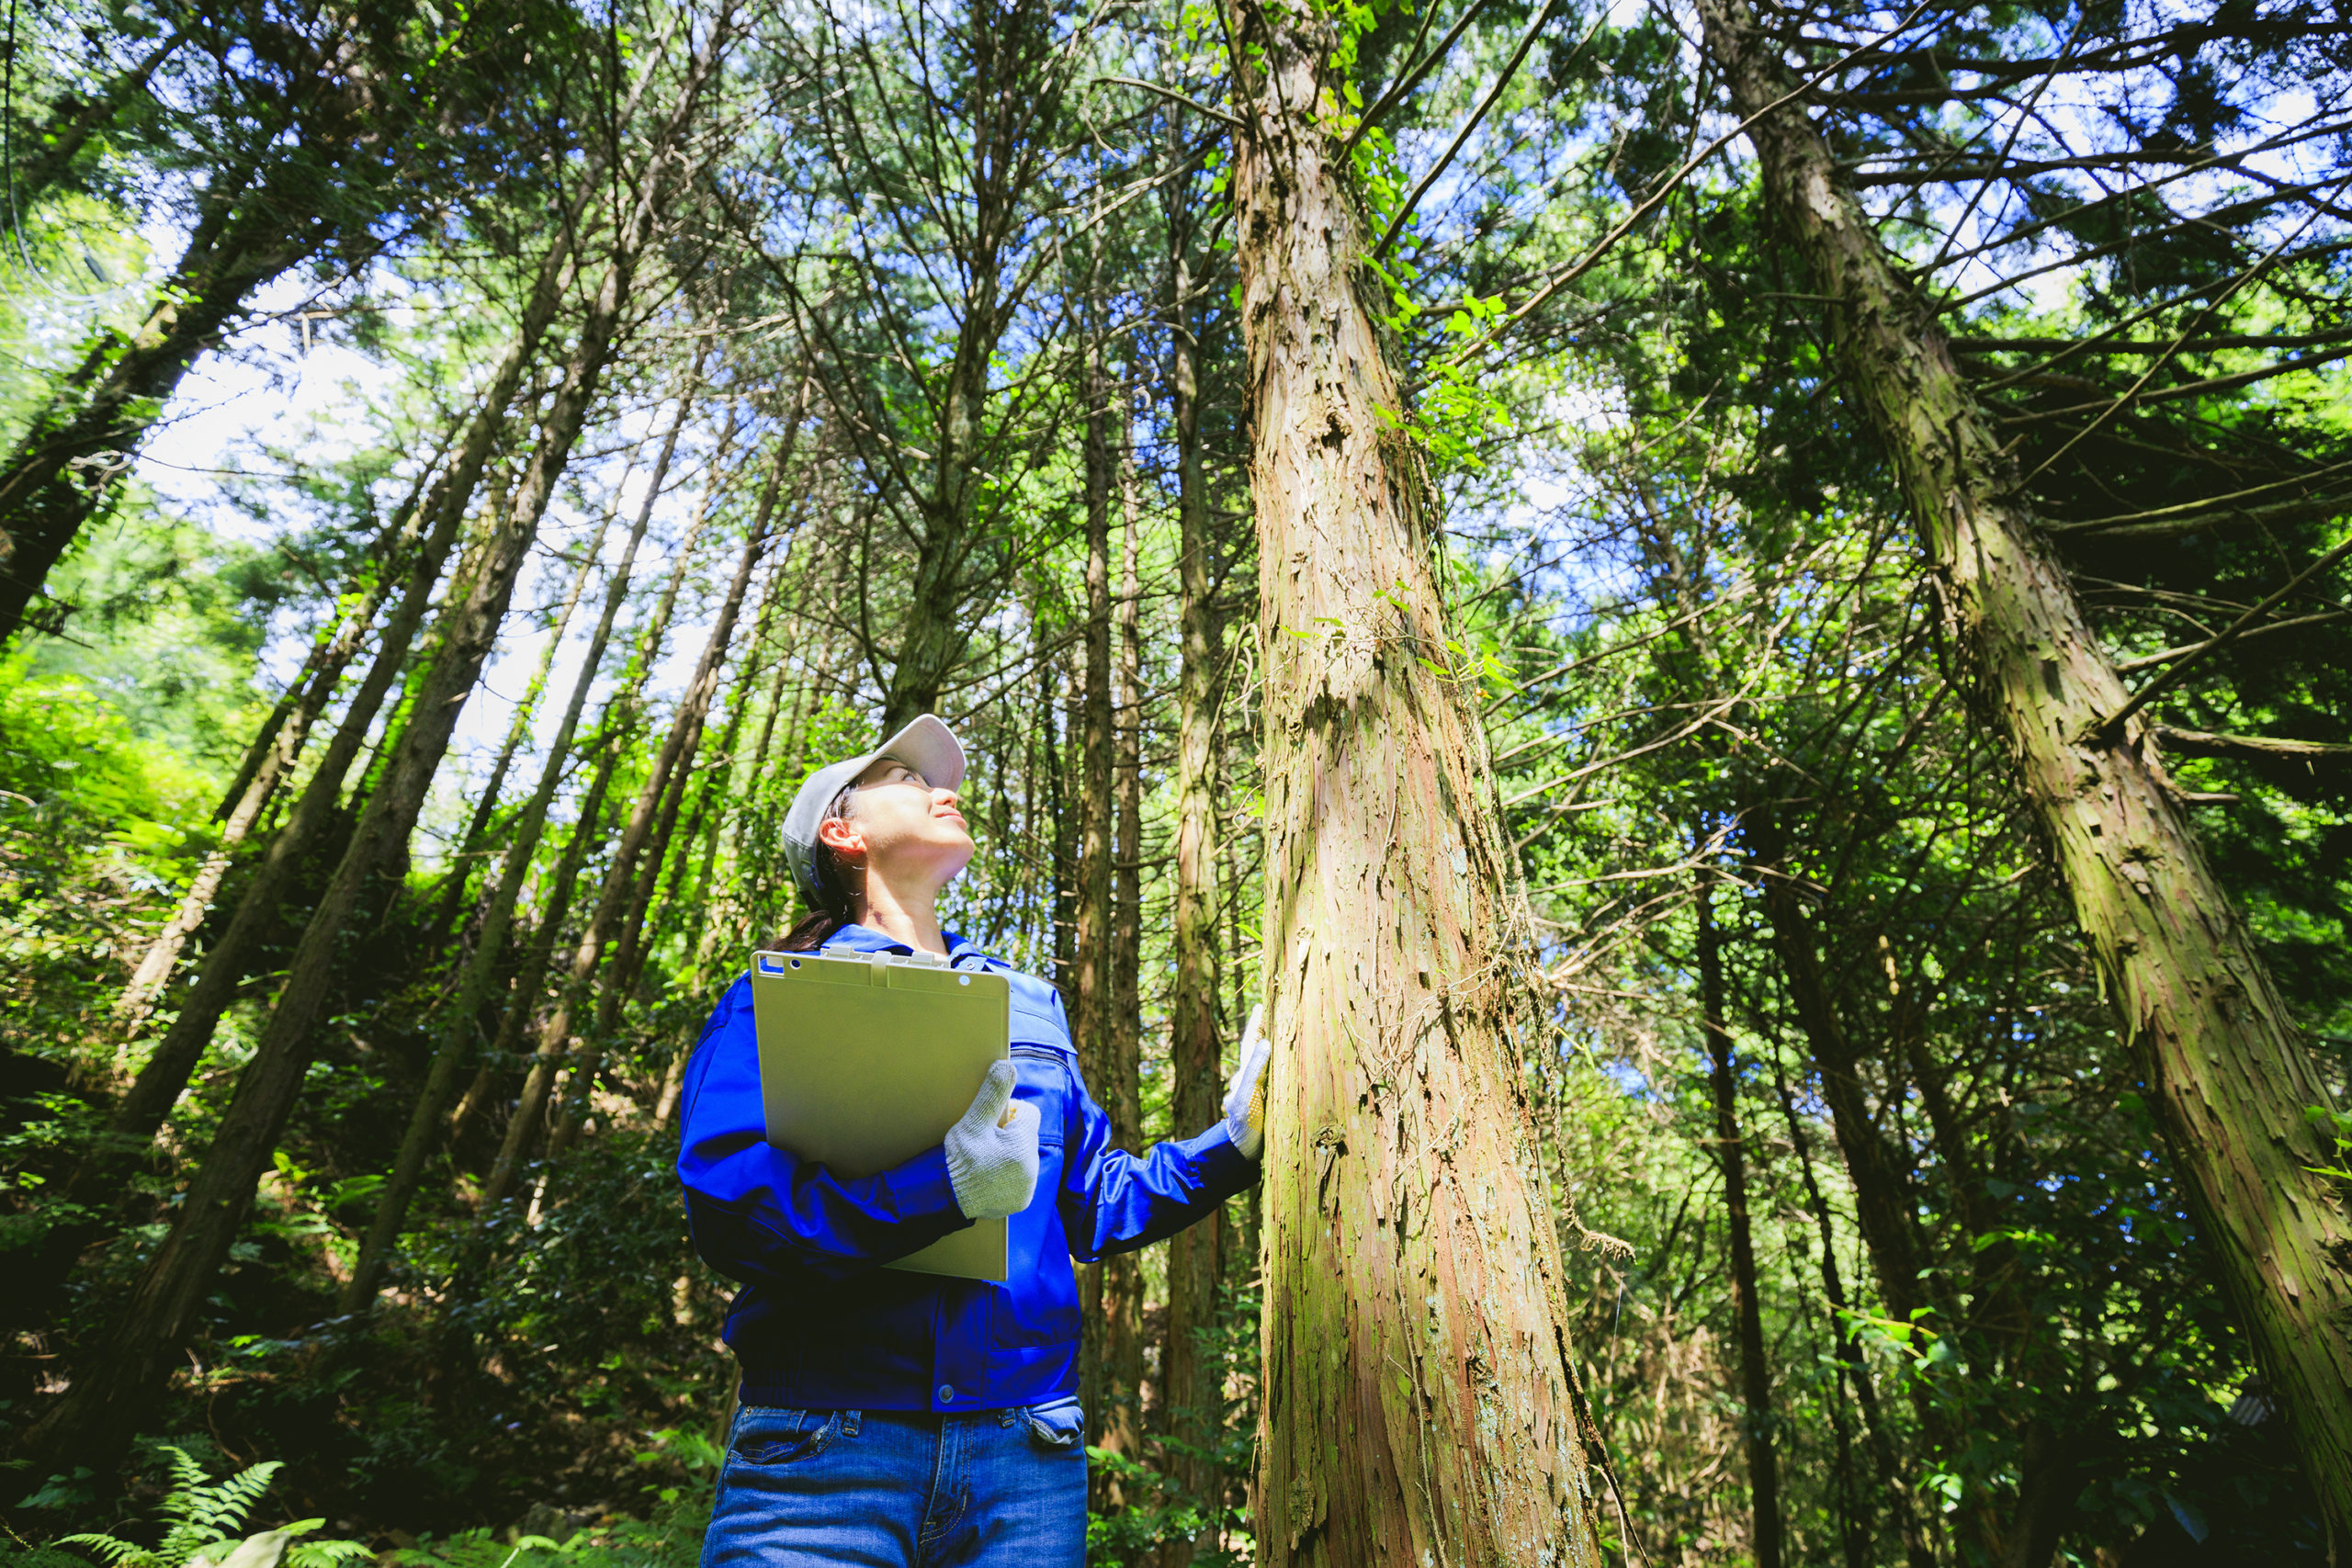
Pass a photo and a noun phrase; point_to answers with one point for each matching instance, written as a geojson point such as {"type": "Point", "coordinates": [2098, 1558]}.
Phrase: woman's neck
{"type": "Point", "coordinates": [910, 919]}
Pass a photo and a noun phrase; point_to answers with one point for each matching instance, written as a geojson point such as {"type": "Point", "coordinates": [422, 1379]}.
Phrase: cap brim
{"type": "Point", "coordinates": [930, 747]}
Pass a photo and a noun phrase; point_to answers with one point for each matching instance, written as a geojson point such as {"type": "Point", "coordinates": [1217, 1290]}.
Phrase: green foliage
{"type": "Point", "coordinates": [202, 1519]}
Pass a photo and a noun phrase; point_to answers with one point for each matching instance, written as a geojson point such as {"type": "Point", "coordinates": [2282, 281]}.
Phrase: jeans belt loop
{"type": "Point", "coordinates": [1006, 1417]}
{"type": "Point", "coordinates": [849, 1423]}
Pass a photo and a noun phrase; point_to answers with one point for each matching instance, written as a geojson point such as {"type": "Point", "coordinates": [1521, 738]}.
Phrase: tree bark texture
{"type": "Point", "coordinates": [2230, 1076]}
{"type": "Point", "coordinates": [1192, 1377]}
{"type": "Point", "coordinates": [1731, 1158]}
{"type": "Point", "coordinates": [1122, 1090]}
{"type": "Point", "coordinates": [1419, 1402]}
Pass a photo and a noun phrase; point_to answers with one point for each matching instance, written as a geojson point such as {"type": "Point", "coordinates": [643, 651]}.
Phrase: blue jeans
{"type": "Point", "coordinates": [902, 1489]}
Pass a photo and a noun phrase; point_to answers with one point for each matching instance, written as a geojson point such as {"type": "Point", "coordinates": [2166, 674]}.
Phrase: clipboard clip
{"type": "Point", "coordinates": [877, 964]}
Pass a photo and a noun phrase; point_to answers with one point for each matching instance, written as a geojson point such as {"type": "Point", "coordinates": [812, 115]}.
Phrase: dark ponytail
{"type": "Point", "coordinates": [833, 906]}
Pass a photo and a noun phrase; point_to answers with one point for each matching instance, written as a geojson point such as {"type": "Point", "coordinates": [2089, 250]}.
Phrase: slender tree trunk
{"type": "Point", "coordinates": [1754, 1376]}
{"type": "Point", "coordinates": [1064, 770]}
{"type": "Point", "coordinates": [1094, 1016]}
{"type": "Point", "coordinates": [624, 902]}
{"type": "Point", "coordinates": [98, 1412]}
{"type": "Point", "coordinates": [716, 794]}
{"type": "Point", "coordinates": [771, 796]}
{"type": "Point", "coordinates": [1122, 1094]}
{"type": "Point", "coordinates": [1885, 1202]}
{"type": "Point", "coordinates": [530, 979]}
{"type": "Point", "coordinates": [716, 791]}
{"type": "Point", "coordinates": [1855, 1371]}
{"type": "Point", "coordinates": [472, 843]}
{"type": "Point", "coordinates": [2232, 1080]}
{"type": "Point", "coordinates": [1420, 1398]}
{"type": "Point", "coordinates": [54, 146]}
{"type": "Point", "coordinates": [64, 468]}
{"type": "Point", "coordinates": [460, 1015]}
{"type": "Point", "coordinates": [158, 1083]}
{"type": "Point", "coordinates": [1192, 1377]}
{"type": "Point", "coordinates": [618, 726]}
{"type": "Point", "coordinates": [275, 751]}
{"type": "Point", "coordinates": [717, 922]}
{"type": "Point", "coordinates": [337, 646]}
{"type": "Point", "coordinates": [1005, 105]}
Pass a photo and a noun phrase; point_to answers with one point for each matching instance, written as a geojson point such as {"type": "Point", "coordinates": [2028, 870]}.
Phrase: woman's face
{"type": "Point", "coordinates": [903, 830]}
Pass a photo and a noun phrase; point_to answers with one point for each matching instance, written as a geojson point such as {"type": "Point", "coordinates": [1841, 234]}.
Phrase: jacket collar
{"type": "Point", "coordinates": [866, 938]}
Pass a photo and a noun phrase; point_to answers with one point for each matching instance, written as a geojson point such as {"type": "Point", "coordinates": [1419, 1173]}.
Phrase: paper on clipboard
{"type": "Point", "coordinates": [866, 1060]}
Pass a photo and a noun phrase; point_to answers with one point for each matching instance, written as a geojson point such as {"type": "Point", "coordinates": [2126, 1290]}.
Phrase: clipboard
{"type": "Point", "coordinates": [867, 1059]}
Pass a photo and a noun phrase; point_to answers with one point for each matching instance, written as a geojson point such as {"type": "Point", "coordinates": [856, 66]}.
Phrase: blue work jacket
{"type": "Point", "coordinates": [821, 1324]}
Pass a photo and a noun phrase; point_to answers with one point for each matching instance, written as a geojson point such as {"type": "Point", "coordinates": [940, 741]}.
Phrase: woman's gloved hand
{"type": "Point", "coordinates": [1245, 1098]}
{"type": "Point", "coordinates": [992, 1151]}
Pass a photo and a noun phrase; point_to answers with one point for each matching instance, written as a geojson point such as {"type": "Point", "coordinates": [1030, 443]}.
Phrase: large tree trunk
{"type": "Point", "coordinates": [1731, 1157]}
{"type": "Point", "coordinates": [1192, 1379]}
{"type": "Point", "coordinates": [2230, 1078]}
{"type": "Point", "coordinates": [1420, 1401]}
{"type": "Point", "coordinates": [98, 1412]}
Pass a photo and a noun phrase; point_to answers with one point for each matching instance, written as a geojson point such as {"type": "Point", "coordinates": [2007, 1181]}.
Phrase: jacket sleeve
{"type": "Point", "coordinates": [759, 1215]}
{"type": "Point", "coordinates": [1113, 1201]}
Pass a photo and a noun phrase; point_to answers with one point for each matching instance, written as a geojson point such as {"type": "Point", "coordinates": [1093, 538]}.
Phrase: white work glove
{"type": "Point", "coordinates": [992, 1151]}
{"type": "Point", "coordinates": [1245, 1098]}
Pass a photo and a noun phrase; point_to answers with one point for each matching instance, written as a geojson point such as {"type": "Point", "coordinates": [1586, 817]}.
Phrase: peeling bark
{"type": "Point", "coordinates": [1420, 1404]}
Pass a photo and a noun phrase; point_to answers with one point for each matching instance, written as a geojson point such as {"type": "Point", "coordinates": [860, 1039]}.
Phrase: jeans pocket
{"type": "Point", "coordinates": [1057, 1424]}
{"type": "Point", "coordinates": [767, 1435]}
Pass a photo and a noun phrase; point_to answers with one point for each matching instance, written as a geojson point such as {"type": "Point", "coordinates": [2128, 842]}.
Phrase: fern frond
{"type": "Point", "coordinates": [219, 1511]}
{"type": "Point", "coordinates": [114, 1553]}
{"type": "Point", "coordinates": [325, 1554]}
{"type": "Point", "coordinates": [188, 1475]}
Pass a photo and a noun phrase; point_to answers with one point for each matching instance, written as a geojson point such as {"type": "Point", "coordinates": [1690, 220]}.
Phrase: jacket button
{"type": "Point", "coordinates": [947, 1393]}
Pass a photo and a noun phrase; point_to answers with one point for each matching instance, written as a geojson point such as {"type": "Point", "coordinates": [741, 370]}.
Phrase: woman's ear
{"type": "Point", "coordinates": [841, 835]}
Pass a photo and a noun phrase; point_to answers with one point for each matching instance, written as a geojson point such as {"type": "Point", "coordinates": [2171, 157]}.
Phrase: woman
{"type": "Point", "coordinates": [892, 1417]}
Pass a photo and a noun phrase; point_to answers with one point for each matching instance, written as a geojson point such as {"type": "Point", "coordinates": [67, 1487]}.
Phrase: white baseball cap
{"type": "Point", "coordinates": [927, 746]}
